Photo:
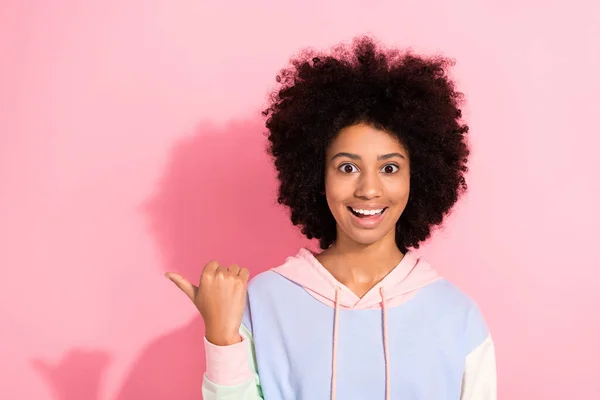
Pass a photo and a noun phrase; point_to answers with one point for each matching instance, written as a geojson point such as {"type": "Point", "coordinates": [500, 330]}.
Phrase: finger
{"type": "Point", "coordinates": [185, 286]}
{"type": "Point", "coordinates": [209, 271]}
{"type": "Point", "coordinates": [244, 273]}
{"type": "Point", "coordinates": [221, 272]}
{"type": "Point", "coordinates": [234, 270]}
{"type": "Point", "coordinates": [211, 266]}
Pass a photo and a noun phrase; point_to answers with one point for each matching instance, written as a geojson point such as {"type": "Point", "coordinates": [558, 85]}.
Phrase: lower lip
{"type": "Point", "coordinates": [370, 221]}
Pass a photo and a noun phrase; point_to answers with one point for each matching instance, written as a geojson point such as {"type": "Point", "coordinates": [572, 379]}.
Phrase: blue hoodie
{"type": "Point", "coordinates": [307, 336]}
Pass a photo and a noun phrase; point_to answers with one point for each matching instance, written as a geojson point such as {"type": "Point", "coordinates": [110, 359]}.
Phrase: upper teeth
{"type": "Point", "coordinates": [367, 212]}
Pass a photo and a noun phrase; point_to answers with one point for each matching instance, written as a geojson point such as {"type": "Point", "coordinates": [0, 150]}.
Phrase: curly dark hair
{"type": "Point", "coordinates": [407, 95]}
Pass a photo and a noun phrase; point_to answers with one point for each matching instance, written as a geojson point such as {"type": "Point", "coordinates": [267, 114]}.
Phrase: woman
{"type": "Point", "coordinates": [371, 155]}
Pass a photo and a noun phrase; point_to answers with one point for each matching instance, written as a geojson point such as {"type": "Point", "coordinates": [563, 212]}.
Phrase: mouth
{"type": "Point", "coordinates": [367, 214]}
{"type": "Point", "coordinates": [367, 219]}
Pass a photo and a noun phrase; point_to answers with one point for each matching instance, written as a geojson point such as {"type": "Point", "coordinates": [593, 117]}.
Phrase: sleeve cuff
{"type": "Point", "coordinates": [228, 365]}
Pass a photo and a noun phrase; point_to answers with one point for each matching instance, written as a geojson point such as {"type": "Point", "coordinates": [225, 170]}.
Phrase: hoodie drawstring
{"type": "Point", "coordinates": [335, 329]}
{"type": "Point", "coordinates": [386, 350]}
{"type": "Point", "coordinates": [385, 343]}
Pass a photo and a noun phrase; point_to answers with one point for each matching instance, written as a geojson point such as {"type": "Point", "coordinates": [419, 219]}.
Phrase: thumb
{"type": "Point", "coordinates": [186, 287]}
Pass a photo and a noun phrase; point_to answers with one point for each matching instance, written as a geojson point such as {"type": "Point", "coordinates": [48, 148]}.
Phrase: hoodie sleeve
{"type": "Point", "coordinates": [479, 379]}
{"type": "Point", "coordinates": [479, 376]}
{"type": "Point", "coordinates": [231, 371]}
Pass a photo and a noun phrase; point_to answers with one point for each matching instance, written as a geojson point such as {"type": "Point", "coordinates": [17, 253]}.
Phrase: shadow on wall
{"type": "Point", "coordinates": [216, 200]}
{"type": "Point", "coordinates": [77, 376]}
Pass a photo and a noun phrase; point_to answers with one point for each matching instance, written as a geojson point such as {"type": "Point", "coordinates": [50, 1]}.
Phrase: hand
{"type": "Point", "coordinates": [221, 298]}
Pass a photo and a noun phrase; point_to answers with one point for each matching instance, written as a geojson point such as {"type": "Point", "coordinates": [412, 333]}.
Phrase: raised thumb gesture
{"type": "Point", "coordinates": [220, 297]}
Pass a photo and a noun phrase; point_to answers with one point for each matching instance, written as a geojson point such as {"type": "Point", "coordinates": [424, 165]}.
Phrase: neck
{"type": "Point", "coordinates": [355, 263]}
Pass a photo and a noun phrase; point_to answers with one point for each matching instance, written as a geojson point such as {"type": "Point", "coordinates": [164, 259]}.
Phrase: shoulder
{"type": "Point", "coordinates": [265, 281]}
{"type": "Point", "coordinates": [450, 296]}
{"type": "Point", "coordinates": [460, 310]}
{"type": "Point", "coordinates": [274, 278]}
{"type": "Point", "coordinates": [273, 281]}
{"type": "Point", "coordinates": [264, 294]}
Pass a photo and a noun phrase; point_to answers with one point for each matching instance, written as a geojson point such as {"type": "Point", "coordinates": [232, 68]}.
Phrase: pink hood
{"type": "Point", "coordinates": [406, 278]}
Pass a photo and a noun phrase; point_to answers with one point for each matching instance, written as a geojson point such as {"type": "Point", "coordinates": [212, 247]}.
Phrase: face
{"type": "Point", "coordinates": [367, 182]}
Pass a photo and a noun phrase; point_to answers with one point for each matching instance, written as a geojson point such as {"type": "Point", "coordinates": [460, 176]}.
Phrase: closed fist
{"type": "Point", "coordinates": [220, 297]}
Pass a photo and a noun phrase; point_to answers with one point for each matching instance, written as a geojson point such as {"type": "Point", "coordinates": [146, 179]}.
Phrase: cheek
{"type": "Point", "coordinates": [335, 197]}
{"type": "Point", "coordinates": [335, 188]}
{"type": "Point", "coordinates": [337, 193]}
{"type": "Point", "coordinates": [398, 192]}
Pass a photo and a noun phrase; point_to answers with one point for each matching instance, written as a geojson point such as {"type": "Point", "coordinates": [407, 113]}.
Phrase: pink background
{"type": "Point", "coordinates": [131, 144]}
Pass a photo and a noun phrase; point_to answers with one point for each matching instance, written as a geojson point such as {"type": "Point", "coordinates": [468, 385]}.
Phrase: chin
{"type": "Point", "coordinates": [366, 238]}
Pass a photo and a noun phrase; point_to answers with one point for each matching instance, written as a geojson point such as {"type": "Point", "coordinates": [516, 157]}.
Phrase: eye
{"type": "Point", "coordinates": [348, 168]}
{"type": "Point", "coordinates": [390, 168]}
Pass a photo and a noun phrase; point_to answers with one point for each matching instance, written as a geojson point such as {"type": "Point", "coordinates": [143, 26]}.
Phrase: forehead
{"type": "Point", "coordinates": [365, 139]}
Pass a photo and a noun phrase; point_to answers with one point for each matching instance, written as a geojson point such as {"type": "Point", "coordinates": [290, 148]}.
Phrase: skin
{"type": "Point", "coordinates": [220, 297]}
{"type": "Point", "coordinates": [365, 168]}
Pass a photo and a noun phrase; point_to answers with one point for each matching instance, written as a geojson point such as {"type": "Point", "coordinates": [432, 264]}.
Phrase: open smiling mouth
{"type": "Point", "coordinates": [367, 213]}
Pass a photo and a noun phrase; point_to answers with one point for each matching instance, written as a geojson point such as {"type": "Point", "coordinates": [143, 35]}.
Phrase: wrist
{"type": "Point", "coordinates": [223, 338]}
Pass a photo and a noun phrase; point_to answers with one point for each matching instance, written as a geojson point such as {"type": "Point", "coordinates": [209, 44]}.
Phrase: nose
{"type": "Point", "coordinates": [369, 186]}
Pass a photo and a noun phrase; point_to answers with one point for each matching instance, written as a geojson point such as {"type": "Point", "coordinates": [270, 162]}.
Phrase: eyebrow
{"type": "Point", "coordinates": [357, 157]}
